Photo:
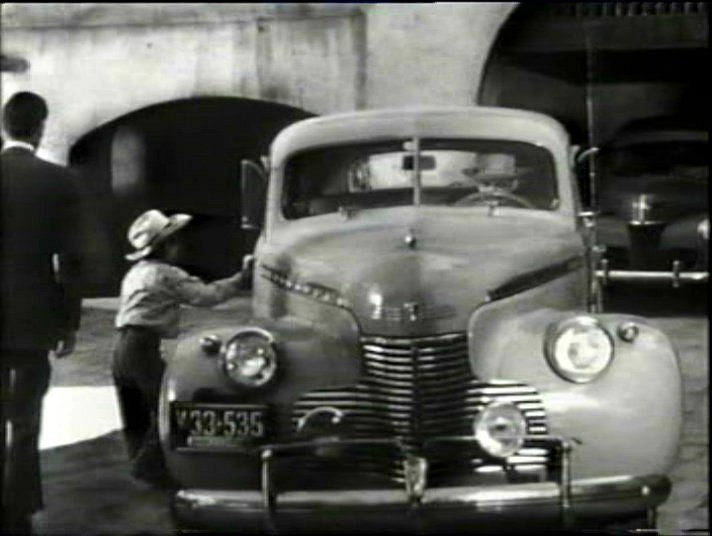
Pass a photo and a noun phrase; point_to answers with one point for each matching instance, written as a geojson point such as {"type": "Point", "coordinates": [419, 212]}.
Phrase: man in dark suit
{"type": "Point", "coordinates": [39, 300]}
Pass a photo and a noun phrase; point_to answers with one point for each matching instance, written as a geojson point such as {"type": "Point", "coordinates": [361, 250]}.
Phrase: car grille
{"type": "Point", "coordinates": [420, 388]}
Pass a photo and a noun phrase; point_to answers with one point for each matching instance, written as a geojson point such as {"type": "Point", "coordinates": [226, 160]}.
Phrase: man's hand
{"type": "Point", "coordinates": [66, 344]}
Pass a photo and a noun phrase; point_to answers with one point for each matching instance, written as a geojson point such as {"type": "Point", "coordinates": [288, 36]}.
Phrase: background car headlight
{"type": "Point", "coordinates": [579, 349]}
{"type": "Point", "coordinates": [500, 429]}
{"type": "Point", "coordinates": [249, 358]}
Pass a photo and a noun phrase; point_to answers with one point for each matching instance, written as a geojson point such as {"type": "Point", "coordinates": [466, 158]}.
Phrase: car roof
{"type": "Point", "coordinates": [444, 122]}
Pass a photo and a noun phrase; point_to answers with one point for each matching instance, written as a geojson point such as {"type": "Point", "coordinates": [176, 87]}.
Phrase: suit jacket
{"type": "Point", "coordinates": [39, 251]}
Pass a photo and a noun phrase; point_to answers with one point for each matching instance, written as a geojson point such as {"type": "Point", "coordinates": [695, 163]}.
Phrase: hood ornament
{"type": "Point", "coordinates": [410, 239]}
{"type": "Point", "coordinates": [412, 311]}
{"type": "Point", "coordinates": [492, 205]}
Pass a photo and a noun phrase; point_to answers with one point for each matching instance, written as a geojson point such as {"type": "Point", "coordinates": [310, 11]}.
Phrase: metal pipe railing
{"type": "Point", "coordinates": [675, 276]}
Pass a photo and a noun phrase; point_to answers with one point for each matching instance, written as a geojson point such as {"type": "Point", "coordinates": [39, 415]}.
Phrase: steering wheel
{"type": "Point", "coordinates": [477, 198]}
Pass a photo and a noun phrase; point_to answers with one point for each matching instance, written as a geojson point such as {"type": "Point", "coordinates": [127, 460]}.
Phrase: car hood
{"type": "Point", "coordinates": [403, 268]}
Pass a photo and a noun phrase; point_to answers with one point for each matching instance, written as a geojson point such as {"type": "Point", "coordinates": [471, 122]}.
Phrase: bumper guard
{"type": "Point", "coordinates": [564, 498]}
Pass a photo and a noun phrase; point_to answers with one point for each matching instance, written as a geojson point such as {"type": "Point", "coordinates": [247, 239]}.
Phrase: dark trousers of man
{"type": "Point", "coordinates": [138, 371]}
{"type": "Point", "coordinates": [25, 380]}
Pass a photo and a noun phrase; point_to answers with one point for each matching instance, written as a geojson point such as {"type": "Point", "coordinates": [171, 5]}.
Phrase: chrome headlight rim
{"type": "Point", "coordinates": [231, 367]}
{"type": "Point", "coordinates": [490, 444]}
{"type": "Point", "coordinates": [555, 332]}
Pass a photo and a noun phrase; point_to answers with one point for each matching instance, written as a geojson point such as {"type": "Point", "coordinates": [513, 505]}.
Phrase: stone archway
{"type": "Point", "coordinates": [178, 156]}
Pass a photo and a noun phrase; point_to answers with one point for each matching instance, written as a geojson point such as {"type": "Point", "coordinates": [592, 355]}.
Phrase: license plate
{"type": "Point", "coordinates": [217, 425]}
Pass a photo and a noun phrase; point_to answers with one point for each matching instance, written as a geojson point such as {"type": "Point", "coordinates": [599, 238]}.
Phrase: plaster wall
{"type": "Point", "coordinates": [430, 53]}
{"type": "Point", "coordinates": [96, 62]}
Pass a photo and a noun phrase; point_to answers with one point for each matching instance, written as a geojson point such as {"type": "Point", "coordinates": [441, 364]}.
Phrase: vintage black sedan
{"type": "Point", "coordinates": [652, 181]}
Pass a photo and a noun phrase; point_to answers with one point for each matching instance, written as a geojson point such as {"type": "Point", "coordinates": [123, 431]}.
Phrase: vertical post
{"type": "Point", "coordinates": [267, 491]}
{"type": "Point", "coordinates": [600, 283]}
{"type": "Point", "coordinates": [594, 258]}
{"type": "Point", "coordinates": [417, 194]}
{"type": "Point", "coordinates": [592, 167]}
{"type": "Point", "coordinates": [651, 516]}
{"type": "Point", "coordinates": [565, 483]}
{"type": "Point", "coordinates": [676, 267]}
{"type": "Point", "coordinates": [590, 120]}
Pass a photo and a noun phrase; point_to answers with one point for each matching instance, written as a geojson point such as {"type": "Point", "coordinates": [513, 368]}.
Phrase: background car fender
{"type": "Point", "coordinates": [629, 419]}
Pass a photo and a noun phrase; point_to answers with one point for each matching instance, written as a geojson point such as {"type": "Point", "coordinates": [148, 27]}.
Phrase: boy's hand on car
{"type": "Point", "coordinates": [244, 276]}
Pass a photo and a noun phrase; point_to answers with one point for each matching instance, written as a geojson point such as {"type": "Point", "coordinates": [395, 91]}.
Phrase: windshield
{"type": "Point", "coordinates": [459, 173]}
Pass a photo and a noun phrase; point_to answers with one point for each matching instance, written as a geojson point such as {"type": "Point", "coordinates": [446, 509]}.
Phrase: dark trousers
{"type": "Point", "coordinates": [138, 371]}
{"type": "Point", "coordinates": [25, 380]}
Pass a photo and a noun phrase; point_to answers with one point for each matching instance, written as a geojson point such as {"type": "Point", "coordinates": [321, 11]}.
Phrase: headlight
{"type": "Point", "coordinates": [579, 349]}
{"type": "Point", "coordinates": [500, 429]}
{"type": "Point", "coordinates": [249, 358]}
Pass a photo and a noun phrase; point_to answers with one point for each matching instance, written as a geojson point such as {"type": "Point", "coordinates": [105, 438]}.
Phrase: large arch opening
{"type": "Point", "coordinates": [179, 156]}
{"type": "Point", "coordinates": [600, 66]}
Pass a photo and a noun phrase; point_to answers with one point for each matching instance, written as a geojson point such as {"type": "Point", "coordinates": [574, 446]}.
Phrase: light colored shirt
{"type": "Point", "coordinates": [153, 291]}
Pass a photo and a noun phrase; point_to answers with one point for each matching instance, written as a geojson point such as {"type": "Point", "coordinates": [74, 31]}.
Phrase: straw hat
{"type": "Point", "coordinates": [150, 229]}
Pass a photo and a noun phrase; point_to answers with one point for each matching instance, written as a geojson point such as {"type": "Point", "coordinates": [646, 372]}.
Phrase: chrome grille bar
{"type": "Point", "coordinates": [416, 388]}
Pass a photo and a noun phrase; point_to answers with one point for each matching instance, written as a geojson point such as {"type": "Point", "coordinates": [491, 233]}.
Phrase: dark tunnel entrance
{"type": "Point", "coordinates": [599, 66]}
{"type": "Point", "coordinates": [179, 156]}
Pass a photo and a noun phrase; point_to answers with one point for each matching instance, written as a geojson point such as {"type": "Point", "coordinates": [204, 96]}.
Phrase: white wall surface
{"type": "Point", "coordinates": [96, 62]}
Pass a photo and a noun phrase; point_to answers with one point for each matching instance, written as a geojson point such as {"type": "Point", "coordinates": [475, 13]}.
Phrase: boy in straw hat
{"type": "Point", "coordinates": [152, 292]}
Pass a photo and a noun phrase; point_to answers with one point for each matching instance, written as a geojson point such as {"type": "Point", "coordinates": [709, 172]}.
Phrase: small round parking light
{"type": "Point", "coordinates": [249, 358]}
{"type": "Point", "coordinates": [500, 429]}
{"type": "Point", "coordinates": [211, 344]}
{"type": "Point", "coordinates": [628, 331]}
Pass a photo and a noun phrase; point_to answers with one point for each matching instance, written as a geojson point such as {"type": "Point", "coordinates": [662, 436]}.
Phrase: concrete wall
{"type": "Point", "coordinates": [429, 53]}
{"type": "Point", "coordinates": [96, 62]}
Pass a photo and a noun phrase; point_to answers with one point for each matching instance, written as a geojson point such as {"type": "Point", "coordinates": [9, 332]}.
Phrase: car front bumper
{"type": "Point", "coordinates": [488, 507]}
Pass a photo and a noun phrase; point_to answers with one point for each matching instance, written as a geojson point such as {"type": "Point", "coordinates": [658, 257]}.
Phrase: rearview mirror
{"type": "Point", "coordinates": [254, 195]}
{"type": "Point", "coordinates": [425, 163]}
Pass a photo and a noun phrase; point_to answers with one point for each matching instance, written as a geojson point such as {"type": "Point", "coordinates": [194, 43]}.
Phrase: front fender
{"type": "Point", "coordinates": [309, 358]}
{"type": "Point", "coordinates": [628, 420]}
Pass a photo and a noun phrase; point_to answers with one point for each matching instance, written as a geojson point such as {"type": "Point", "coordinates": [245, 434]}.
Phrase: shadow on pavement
{"type": "Point", "coordinates": [88, 490]}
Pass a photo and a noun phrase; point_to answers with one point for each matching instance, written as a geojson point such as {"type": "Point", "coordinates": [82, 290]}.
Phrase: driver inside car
{"type": "Point", "coordinates": [496, 177]}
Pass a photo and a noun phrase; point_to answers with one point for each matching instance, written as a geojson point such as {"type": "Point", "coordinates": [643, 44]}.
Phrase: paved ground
{"type": "Point", "coordinates": [88, 491]}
